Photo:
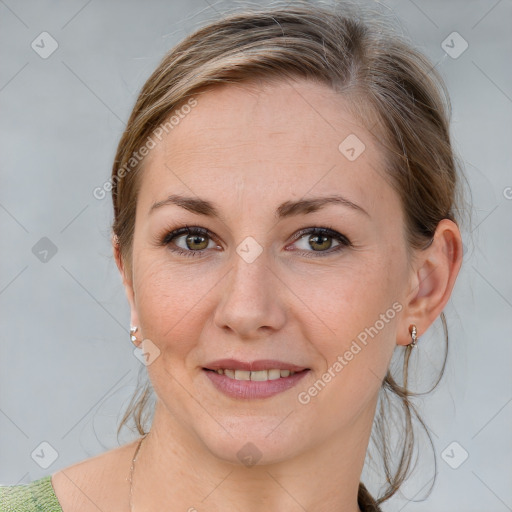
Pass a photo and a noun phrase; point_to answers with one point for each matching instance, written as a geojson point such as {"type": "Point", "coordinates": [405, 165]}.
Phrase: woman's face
{"type": "Point", "coordinates": [253, 168]}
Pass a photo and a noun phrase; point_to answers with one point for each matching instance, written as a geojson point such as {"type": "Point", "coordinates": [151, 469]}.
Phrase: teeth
{"type": "Point", "coordinates": [274, 374]}
{"type": "Point", "coordinates": [261, 375]}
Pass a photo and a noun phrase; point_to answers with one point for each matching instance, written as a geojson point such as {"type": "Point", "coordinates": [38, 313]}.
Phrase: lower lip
{"type": "Point", "coordinates": [253, 389]}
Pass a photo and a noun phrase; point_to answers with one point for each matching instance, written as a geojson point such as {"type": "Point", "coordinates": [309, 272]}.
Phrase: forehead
{"type": "Point", "coordinates": [267, 139]}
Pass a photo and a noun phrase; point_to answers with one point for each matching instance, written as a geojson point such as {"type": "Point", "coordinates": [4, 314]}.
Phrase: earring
{"type": "Point", "coordinates": [133, 338]}
{"type": "Point", "coordinates": [414, 337]}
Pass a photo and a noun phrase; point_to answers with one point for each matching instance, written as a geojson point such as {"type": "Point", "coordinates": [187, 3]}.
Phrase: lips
{"type": "Point", "coordinates": [253, 380]}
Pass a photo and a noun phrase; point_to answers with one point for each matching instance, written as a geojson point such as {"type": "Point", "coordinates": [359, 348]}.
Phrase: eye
{"type": "Point", "coordinates": [189, 241]}
{"type": "Point", "coordinates": [195, 240]}
{"type": "Point", "coordinates": [321, 240]}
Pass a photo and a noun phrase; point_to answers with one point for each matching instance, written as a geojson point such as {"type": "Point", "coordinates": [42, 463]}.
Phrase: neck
{"type": "Point", "coordinates": [174, 467]}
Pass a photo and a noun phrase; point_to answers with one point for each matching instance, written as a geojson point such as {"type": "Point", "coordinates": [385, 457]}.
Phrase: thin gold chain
{"type": "Point", "coordinates": [133, 467]}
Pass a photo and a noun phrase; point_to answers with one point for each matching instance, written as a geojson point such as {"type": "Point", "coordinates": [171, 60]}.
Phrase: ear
{"type": "Point", "coordinates": [126, 276]}
{"type": "Point", "coordinates": [435, 270]}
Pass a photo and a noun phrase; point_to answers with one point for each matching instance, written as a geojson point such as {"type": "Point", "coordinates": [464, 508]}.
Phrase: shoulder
{"type": "Point", "coordinates": [32, 497]}
{"type": "Point", "coordinates": [98, 483]}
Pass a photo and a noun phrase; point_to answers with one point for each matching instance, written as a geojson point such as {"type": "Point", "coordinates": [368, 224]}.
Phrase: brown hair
{"type": "Point", "coordinates": [393, 88]}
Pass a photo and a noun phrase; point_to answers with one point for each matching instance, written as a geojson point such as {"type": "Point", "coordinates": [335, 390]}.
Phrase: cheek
{"type": "Point", "coordinates": [357, 358]}
{"type": "Point", "coordinates": [170, 301]}
{"type": "Point", "coordinates": [353, 298]}
{"type": "Point", "coordinates": [362, 311]}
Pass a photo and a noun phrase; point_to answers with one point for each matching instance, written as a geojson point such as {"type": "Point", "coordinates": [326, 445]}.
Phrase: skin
{"type": "Point", "coordinates": [248, 149]}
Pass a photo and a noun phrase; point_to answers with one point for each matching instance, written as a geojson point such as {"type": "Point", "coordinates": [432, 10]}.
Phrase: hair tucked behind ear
{"type": "Point", "coordinates": [394, 90]}
{"type": "Point", "coordinates": [381, 426]}
{"type": "Point", "coordinates": [137, 409]}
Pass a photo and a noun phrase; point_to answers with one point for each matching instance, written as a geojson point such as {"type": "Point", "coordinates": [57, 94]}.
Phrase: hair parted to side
{"type": "Point", "coordinates": [393, 89]}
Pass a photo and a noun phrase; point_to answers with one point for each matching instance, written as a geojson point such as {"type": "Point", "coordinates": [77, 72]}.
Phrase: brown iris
{"type": "Point", "coordinates": [320, 241]}
{"type": "Point", "coordinates": [201, 240]}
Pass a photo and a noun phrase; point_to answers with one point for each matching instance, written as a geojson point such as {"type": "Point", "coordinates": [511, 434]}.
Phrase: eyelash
{"type": "Point", "coordinates": [344, 242]}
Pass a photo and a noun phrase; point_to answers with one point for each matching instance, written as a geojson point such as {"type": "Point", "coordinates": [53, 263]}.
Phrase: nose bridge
{"type": "Point", "coordinates": [251, 302]}
{"type": "Point", "coordinates": [251, 272]}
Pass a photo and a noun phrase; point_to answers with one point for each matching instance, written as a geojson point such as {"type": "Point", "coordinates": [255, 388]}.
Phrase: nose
{"type": "Point", "coordinates": [251, 306]}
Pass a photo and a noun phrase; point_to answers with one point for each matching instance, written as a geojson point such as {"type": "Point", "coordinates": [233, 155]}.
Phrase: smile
{"type": "Point", "coordinates": [261, 375]}
{"type": "Point", "coordinates": [251, 385]}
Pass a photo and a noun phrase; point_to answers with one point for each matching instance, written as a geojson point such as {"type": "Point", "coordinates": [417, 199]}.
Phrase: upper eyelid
{"type": "Point", "coordinates": [319, 229]}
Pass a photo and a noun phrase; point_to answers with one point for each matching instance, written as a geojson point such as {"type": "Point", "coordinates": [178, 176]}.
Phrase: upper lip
{"type": "Point", "coordinates": [253, 366]}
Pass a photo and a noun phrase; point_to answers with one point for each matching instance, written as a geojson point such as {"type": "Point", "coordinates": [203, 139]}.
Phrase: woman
{"type": "Point", "coordinates": [284, 198]}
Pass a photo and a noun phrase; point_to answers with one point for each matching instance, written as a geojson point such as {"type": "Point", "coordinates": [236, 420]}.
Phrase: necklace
{"type": "Point", "coordinates": [133, 467]}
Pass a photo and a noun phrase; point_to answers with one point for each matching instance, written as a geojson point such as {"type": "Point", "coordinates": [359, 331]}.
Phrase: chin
{"type": "Point", "coordinates": [253, 441]}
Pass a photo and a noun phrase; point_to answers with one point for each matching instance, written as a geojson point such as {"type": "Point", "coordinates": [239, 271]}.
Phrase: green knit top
{"type": "Point", "coordinates": [37, 496]}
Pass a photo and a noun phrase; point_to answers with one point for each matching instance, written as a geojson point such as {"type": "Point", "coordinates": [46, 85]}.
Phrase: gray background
{"type": "Point", "coordinates": [67, 367]}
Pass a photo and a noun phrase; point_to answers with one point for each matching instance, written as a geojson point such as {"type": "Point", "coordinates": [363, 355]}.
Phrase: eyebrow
{"type": "Point", "coordinates": [286, 209]}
